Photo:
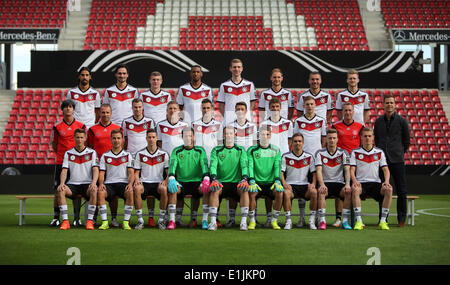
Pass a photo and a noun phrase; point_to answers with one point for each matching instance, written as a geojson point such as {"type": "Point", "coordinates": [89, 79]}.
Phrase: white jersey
{"type": "Point", "coordinates": [155, 105]}
{"type": "Point", "coordinates": [120, 101]}
{"type": "Point", "coordinates": [297, 168]}
{"type": "Point", "coordinates": [116, 166]}
{"type": "Point", "coordinates": [368, 164]}
{"type": "Point", "coordinates": [324, 102]}
{"type": "Point", "coordinates": [285, 96]}
{"type": "Point", "coordinates": [191, 99]}
{"type": "Point", "coordinates": [244, 135]}
{"type": "Point", "coordinates": [281, 132]}
{"type": "Point", "coordinates": [85, 104]}
{"type": "Point", "coordinates": [136, 132]}
{"type": "Point", "coordinates": [170, 135]}
{"type": "Point", "coordinates": [151, 165]}
{"type": "Point", "coordinates": [80, 165]}
{"type": "Point", "coordinates": [231, 93]}
{"type": "Point", "coordinates": [207, 134]}
{"type": "Point", "coordinates": [360, 101]}
{"type": "Point", "coordinates": [332, 164]}
{"type": "Point", "coordinates": [312, 130]}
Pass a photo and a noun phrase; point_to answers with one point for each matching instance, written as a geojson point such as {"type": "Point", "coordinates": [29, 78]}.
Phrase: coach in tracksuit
{"type": "Point", "coordinates": [392, 136]}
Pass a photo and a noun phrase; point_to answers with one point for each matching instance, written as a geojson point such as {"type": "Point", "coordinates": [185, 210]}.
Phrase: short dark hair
{"type": "Point", "coordinates": [388, 96]}
{"type": "Point", "coordinates": [241, 104]}
{"type": "Point", "coordinates": [274, 100]}
{"type": "Point", "coordinates": [121, 66]}
{"type": "Point", "coordinates": [331, 131]}
{"type": "Point", "coordinates": [83, 69]}
{"type": "Point", "coordinates": [298, 135]}
{"type": "Point", "coordinates": [152, 130]}
{"type": "Point", "coordinates": [79, 131]}
{"type": "Point", "coordinates": [67, 103]}
{"type": "Point", "coordinates": [137, 100]}
{"type": "Point", "coordinates": [206, 100]}
{"type": "Point", "coordinates": [116, 131]}
{"type": "Point", "coordinates": [185, 129]}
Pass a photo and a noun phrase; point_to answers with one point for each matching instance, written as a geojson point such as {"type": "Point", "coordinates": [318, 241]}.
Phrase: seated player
{"type": "Point", "coordinates": [81, 162]}
{"type": "Point", "coordinates": [365, 164]}
{"type": "Point", "coordinates": [229, 175]}
{"type": "Point", "coordinates": [116, 178]}
{"type": "Point", "coordinates": [296, 166]}
{"type": "Point", "coordinates": [332, 166]}
{"type": "Point", "coordinates": [151, 164]}
{"type": "Point", "coordinates": [264, 164]}
{"type": "Point", "coordinates": [188, 169]}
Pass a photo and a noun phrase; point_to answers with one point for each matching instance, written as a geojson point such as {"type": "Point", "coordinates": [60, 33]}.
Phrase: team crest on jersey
{"type": "Point", "coordinates": [291, 162]}
{"type": "Point", "coordinates": [244, 89]}
{"type": "Point", "coordinates": [355, 132]}
{"type": "Point", "coordinates": [230, 89]}
{"type": "Point", "coordinates": [123, 159]}
{"type": "Point", "coordinates": [87, 157]}
{"type": "Point", "coordinates": [284, 127]}
{"type": "Point", "coordinates": [361, 156]}
{"type": "Point", "coordinates": [269, 97]}
{"type": "Point", "coordinates": [145, 126]}
{"type": "Point", "coordinates": [144, 159]}
{"type": "Point", "coordinates": [181, 156]}
{"type": "Point", "coordinates": [148, 99]}
{"type": "Point", "coordinates": [222, 156]}
{"type": "Point", "coordinates": [317, 125]}
{"type": "Point", "coordinates": [346, 99]}
{"type": "Point", "coordinates": [375, 157]}
{"type": "Point", "coordinates": [203, 94]}
{"type": "Point", "coordinates": [305, 162]}
{"type": "Point", "coordinates": [325, 160]}
{"type": "Point", "coordinates": [283, 98]}
{"type": "Point", "coordinates": [76, 96]}
{"type": "Point", "coordinates": [159, 159]}
{"type": "Point", "coordinates": [163, 100]}
{"type": "Point", "coordinates": [90, 97]}
{"type": "Point", "coordinates": [199, 128]}
{"type": "Point", "coordinates": [360, 99]}
{"type": "Point", "coordinates": [72, 157]}
{"type": "Point", "coordinates": [129, 95]}
{"type": "Point", "coordinates": [109, 160]}
{"type": "Point", "coordinates": [165, 130]}
{"type": "Point", "coordinates": [188, 93]}
{"type": "Point", "coordinates": [131, 126]}
{"type": "Point", "coordinates": [303, 125]}
{"type": "Point", "coordinates": [257, 155]}
{"type": "Point", "coordinates": [338, 160]}
{"type": "Point", "coordinates": [114, 95]}
{"type": "Point", "coordinates": [322, 100]}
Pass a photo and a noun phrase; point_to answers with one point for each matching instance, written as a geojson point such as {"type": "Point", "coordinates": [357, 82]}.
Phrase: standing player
{"type": "Point", "coordinates": [229, 176]}
{"type": "Point", "coordinates": [116, 178]}
{"type": "Point", "coordinates": [276, 91]}
{"type": "Point", "coordinates": [191, 94]}
{"type": "Point", "coordinates": [323, 100]}
{"type": "Point", "coordinates": [170, 129]}
{"type": "Point", "coordinates": [237, 89]}
{"type": "Point", "coordinates": [188, 168]}
{"type": "Point", "coordinates": [81, 162]}
{"type": "Point", "coordinates": [365, 164]}
{"type": "Point", "coordinates": [296, 166]}
{"type": "Point", "coordinates": [355, 96]}
{"type": "Point", "coordinates": [135, 128]}
{"type": "Point", "coordinates": [120, 96]}
{"type": "Point", "coordinates": [87, 99]}
{"type": "Point", "coordinates": [62, 141]}
{"type": "Point", "coordinates": [150, 164]}
{"type": "Point", "coordinates": [264, 164]}
{"type": "Point", "coordinates": [333, 176]}
{"type": "Point", "coordinates": [155, 99]}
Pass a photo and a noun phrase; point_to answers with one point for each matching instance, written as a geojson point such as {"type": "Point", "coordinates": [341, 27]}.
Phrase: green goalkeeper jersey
{"type": "Point", "coordinates": [229, 164]}
{"type": "Point", "coordinates": [188, 165]}
{"type": "Point", "coordinates": [264, 164]}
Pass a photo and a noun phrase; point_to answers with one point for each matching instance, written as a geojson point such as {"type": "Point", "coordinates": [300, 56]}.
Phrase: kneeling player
{"type": "Point", "coordinates": [188, 168]}
{"type": "Point", "coordinates": [150, 164]}
{"type": "Point", "coordinates": [81, 161]}
{"type": "Point", "coordinates": [264, 164]}
{"type": "Point", "coordinates": [117, 166]}
{"type": "Point", "coordinates": [332, 165]}
{"type": "Point", "coordinates": [229, 174]}
{"type": "Point", "coordinates": [296, 165]}
{"type": "Point", "coordinates": [365, 163]}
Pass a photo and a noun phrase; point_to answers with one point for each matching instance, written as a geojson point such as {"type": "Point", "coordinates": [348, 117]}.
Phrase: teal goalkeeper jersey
{"type": "Point", "coordinates": [264, 164]}
{"type": "Point", "coordinates": [228, 164]}
{"type": "Point", "coordinates": [188, 165]}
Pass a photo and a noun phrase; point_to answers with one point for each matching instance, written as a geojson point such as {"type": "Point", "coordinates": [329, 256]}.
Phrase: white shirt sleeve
{"type": "Point", "coordinates": [66, 160]}
{"type": "Point", "coordinates": [221, 95]}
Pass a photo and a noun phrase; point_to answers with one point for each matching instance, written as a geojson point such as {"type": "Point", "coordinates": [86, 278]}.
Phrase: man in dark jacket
{"type": "Point", "coordinates": [392, 136]}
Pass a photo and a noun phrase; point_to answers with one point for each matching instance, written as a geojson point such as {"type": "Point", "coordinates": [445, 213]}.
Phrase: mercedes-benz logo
{"type": "Point", "coordinates": [399, 35]}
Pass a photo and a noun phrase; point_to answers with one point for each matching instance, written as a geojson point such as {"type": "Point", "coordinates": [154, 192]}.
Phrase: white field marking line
{"type": "Point", "coordinates": [423, 211]}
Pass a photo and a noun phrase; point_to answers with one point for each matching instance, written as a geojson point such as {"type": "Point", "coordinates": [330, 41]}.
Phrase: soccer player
{"type": "Point", "coordinates": [311, 126]}
{"type": "Point", "coordinates": [82, 163]}
{"type": "Point", "coordinates": [87, 99]}
{"type": "Point", "coordinates": [207, 129]}
{"type": "Point", "coordinates": [333, 175]}
{"type": "Point", "coordinates": [116, 178]}
{"type": "Point", "coordinates": [365, 164]}
{"type": "Point", "coordinates": [135, 128]}
{"type": "Point", "coordinates": [150, 164]}
{"type": "Point", "coordinates": [276, 91]}
{"type": "Point", "coordinates": [120, 96]}
{"type": "Point", "coordinates": [188, 169]}
{"type": "Point", "coordinates": [323, 100]}
{"type": "Point", "coordinates": [170, 129]}
{"type": "Point", "coordinates": [237, 89]}
{"type": "Point", "coordinates": [264, 164]}
{"type": "Point", "coordinates": [191, 95]}
{"type": "Point", "coordinates": [355, 96]}
{"type": "Point", "coordinates": [296, 166]}
{"type": "Point", "coordinates": [63, 140]}
{"type": "Point", "coordinates": [229, 176]}
{"type": "Point", "coordinates": [155, 99]}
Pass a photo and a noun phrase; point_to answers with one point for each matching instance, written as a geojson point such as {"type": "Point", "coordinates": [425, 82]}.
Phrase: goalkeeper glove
{"type": "Point", "coordinates": [205, 185]}
{"type": "Point", "coordinates": [243, 186]}
{"type": "Point", "coordinates": [173, 184]}
{"type": "Point", "coordinates": [254, 188]}
{"type": "Point", "coordinates": [215, 186]}
{"type": "Point", "coordinates": [277, 185]}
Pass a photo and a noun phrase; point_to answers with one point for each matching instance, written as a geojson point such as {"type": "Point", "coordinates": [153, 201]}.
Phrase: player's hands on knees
{"type": "Point", "coordinates": [347, 189]}
{"type": "Point", "coordinates": [92, 187]}
{"type": "Point", "coordinates": [61, 188]}
{"type": "Point", "coordinates": [311, 187]}
{"type": "Point", "coordinates": [137, 183]}
{"type": "Point", "coordinates": [287, 187]}
{"type": "Point", "coordinates": [173, 185]}
{"type": "Point", "coordinates": [215, 186]}
{"type": "Point", "coordinates": [129, 188]}
{"type": "Point", "coordinates": [323, 190]}
{"type": "Point", "coordinates": [204, 186]}
{"type": "Point", "coordinates": [277, 186]}
{"type": "Point", "coordinates": [243, 186]}
{"type": "Point", "coordinates": [386, 185]}
{"type": "Point", "coordinates": [254, 188]}
{"type": "Point", "coordinates": [101, 187]}
{"type": "Point", "coordinates": [356, 185]}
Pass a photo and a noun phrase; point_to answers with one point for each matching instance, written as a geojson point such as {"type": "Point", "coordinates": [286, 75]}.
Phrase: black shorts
{"type": "Point", "coordinates": [229, 190]}
{"type": "Point", "coordinates": [57, 175]}
{"type": "Point", "coordinates": [334, 190]}
{"type": "Point", "coordinates": [115, 189]}
{"type": "Point", "coordinates": [190, 188]}
{"type": "Point", "coordinates": [300, 191]}
{"type": "Point", "coordinates": [78, 190]}
{"type": "Point", "coordinates": [150, 189]}
{"type": "Point", "coordinates": [265, 191]}
{"type": "Point", "coordinates": [372, 190]}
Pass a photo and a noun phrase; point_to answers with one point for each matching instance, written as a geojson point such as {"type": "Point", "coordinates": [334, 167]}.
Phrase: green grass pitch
{"type": "Point", "coordinates": [427, 243]}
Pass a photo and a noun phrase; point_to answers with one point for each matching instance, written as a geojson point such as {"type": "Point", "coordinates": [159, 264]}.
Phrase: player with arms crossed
{"type": "Point", "coordinates": [116, 178]}
{"type": "Point", "coordinates": [81, 162]}
{"type": "Point", "coordinates": [155, 99]}
{"type": "Point", "coordinates": [365, 164]}
{"type": "Point", "coordinates": [150, 164]}
{"type": "Point", "coordinates": [333, 176]}
{"type": "Point", "coordinates": [188, 169]}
